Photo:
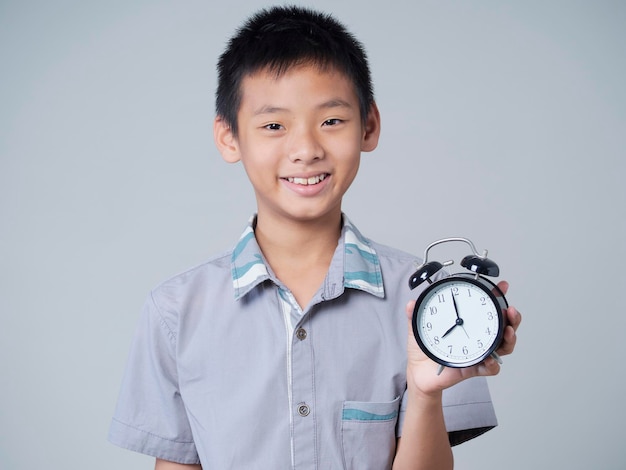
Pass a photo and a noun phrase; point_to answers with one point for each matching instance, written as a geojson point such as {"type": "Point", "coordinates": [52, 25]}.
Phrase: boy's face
{"type": "Point", "coordinates": [300, 137]}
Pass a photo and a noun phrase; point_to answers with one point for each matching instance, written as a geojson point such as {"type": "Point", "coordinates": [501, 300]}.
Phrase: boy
{"type": "Point", "coordinates": [290, 351]}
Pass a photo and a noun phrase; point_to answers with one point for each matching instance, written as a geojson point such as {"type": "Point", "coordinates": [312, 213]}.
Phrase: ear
{"type": "Point", "coordinates": [371, 131]}
{"type": "Point", "coordinates": [226, 141]}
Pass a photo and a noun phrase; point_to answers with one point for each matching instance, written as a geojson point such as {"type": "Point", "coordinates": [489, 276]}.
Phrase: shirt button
{"type": "Point", "coordinates": [301, 334]}
{"type": "Point", "coordinates": [303, 409]}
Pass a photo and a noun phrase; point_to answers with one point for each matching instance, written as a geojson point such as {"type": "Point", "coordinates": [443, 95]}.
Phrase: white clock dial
{"type": "Point", "coordinates": [458, 322]}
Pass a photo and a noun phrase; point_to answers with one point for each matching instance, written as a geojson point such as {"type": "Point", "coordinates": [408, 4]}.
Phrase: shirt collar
{"type": "Point", "coordinates": [356, 262]}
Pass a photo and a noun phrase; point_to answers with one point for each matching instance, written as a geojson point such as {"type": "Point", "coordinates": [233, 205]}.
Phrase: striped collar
{"type": "Point", "coordinates": [355, 263]}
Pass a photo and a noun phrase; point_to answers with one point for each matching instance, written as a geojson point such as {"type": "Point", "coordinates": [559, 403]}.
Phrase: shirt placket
{"type": "Point", "coordinates": [301, 384]}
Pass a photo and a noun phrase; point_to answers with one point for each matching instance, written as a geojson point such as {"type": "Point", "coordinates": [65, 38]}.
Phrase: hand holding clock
{"type": "Point", "coordinates": [439, 357]}
{"type": "Point", "coordinates": [421, 370]}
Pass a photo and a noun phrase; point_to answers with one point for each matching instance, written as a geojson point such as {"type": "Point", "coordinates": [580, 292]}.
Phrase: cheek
{"type": "Point", "coordinates": [347, 150]}
{"type": "Point", "coordinates": [350, 159]}
{"type": "Point", "coordinates": [258, 155]}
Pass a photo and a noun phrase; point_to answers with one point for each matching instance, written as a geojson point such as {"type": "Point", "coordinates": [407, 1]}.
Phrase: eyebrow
{"type": "Point", "coordinates": [330, 104]}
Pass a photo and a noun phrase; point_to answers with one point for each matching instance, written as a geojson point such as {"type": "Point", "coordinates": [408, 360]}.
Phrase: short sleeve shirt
{"type": "Point", "coordinates": [228, 371]}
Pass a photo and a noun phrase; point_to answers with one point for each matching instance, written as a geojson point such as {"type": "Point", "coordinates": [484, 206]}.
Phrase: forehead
{"type": "Point", "coordinates": [300, 84]}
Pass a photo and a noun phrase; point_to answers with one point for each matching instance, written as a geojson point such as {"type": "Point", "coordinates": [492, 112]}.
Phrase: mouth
{"type": "Point", "coordinates": [311, 180]}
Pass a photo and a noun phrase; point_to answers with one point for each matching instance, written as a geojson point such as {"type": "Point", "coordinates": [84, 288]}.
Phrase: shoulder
{"type": "Point", "coordinates": [216, 266]}
{"type": "Point", "coordinates": [209, 280]}
{"type": "Point", "coordinates": [394, 260]}
{"type": "Point", "coordinates": [386, 252]}
{"type": "Point", "coordinates": [396, 266]}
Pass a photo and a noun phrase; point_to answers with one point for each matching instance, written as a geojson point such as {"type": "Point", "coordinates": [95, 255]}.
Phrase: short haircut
{"type": "Point", "coordinates": [281, 37]}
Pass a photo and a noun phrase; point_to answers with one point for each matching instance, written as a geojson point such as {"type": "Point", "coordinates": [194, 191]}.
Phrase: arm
{"type": "Point", "coordinates": [424, 443]}
{"type": "Point", "coordinates": [167, 465]}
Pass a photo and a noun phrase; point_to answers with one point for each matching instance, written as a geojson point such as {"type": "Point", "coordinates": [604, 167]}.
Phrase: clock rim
{"type": "Point", "coordinates": [486, 285]}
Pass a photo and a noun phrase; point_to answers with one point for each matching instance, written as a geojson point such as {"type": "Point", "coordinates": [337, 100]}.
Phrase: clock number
{"type": "Point", "coordinates": [489, 315]}
{"type": "Point", "coordinates": [479, 343]}
{"type": "Point", "coordinates": [429, 326]}
{"type": "Point", "coordinates": [469, 292]}
{"type": "Point", "coordinates": [433, 310]}
{"type": "Point", "coordinates": [450, 349]}
{"type": "Point", "coordinates": [483, 301]}
{"type": "Point", "coordinates": [441, 298]}
{"type": "Point", "coordinates": [455, 290]}
{"type": "Point", "coordinates": [488, 331]}
{"type": "Point", "coordinates": [436, 340]}
{"type": "Point", "coordinates": [465, 350]}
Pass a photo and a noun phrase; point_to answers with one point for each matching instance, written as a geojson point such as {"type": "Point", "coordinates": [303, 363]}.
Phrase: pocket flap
{"type": "Point", "coordinates": [370, 411]}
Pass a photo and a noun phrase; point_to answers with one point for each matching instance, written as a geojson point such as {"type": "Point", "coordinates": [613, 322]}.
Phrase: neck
{"type": "Point", "coordinates": [298, 252]}
{"type": "Point", "coordinates": [298, 239]}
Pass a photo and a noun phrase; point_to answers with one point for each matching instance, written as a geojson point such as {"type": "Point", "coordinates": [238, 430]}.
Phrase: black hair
{"type": "Point", "coordinates": [281, 37]}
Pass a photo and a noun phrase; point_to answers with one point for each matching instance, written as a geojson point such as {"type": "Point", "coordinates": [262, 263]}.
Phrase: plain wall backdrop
{"type": "Point", "coordinates": [503, 121]}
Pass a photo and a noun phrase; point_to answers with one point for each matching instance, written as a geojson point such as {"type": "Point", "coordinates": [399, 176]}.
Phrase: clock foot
{"type": "Point", "coordinates": [496, 357]}
{"type": "Point", "coordinates": [440, 370]}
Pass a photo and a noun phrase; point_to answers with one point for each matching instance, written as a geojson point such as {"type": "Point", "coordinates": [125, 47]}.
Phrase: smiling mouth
{"type": "Point", "coordinates": [308, 181]}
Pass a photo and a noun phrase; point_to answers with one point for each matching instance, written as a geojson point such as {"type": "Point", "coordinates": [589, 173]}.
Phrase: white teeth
{"type": "Point", "coordinates": [307, 181]}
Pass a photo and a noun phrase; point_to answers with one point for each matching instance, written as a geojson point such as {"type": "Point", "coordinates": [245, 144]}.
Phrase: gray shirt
{"type": "Point", "coordinates": [228, 371]}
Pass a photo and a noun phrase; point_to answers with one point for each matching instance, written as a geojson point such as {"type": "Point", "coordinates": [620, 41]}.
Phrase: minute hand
{"type": "Point", "coordinates": [456, 308]}
{"type": "Point", "coordinates": [459, 320]}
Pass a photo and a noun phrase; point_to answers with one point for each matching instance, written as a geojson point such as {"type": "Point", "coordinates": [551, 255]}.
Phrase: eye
{"type": "Point", "coordinates": [332, 122]}
{"type": "Point", "coordinates": [273, 126]}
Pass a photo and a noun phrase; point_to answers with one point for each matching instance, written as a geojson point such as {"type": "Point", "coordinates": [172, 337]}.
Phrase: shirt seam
{"type": "Point", "coordinates": [170, 333]}
{"type": "Point", "coordinates": [143, 431]}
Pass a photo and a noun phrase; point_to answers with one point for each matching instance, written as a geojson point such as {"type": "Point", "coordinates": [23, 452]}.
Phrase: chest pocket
{"type": "Point", "coordinates": [368, 433]}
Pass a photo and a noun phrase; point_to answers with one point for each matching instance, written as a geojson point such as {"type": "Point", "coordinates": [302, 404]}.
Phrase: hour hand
{"type": "Point", "coordinates": [449, 330]}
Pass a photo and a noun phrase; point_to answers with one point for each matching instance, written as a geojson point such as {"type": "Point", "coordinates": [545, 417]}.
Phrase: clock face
{"type": "Point", "coordinates": [458, 321]}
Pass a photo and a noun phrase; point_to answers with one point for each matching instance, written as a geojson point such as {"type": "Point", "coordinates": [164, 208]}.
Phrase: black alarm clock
{"type": "Point", "coordinates": [459, 319]}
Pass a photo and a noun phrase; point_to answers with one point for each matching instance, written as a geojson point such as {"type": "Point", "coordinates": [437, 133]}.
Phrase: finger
{"type": "Point", "coordinates": [488, 367]}
{"type": "Point", "coordinates": [514, 318]}
{"type": "Point", "coordinates": [503, 286]}
{"type": "Point", "coordinates": [410, 306]}
{"type": "Point", "coordinates": [509, 340]}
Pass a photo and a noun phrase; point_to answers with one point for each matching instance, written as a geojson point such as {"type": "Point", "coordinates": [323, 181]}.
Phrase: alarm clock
{"type": "Point", "coordinates": [459, 319]}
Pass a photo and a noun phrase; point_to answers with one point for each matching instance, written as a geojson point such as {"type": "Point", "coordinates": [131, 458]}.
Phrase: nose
{"type": "Point", "coordinates": [304, 146]}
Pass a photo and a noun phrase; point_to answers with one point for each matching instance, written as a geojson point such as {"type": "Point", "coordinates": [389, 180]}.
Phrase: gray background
{"type": "Point", "coordinates": [502, 121]}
